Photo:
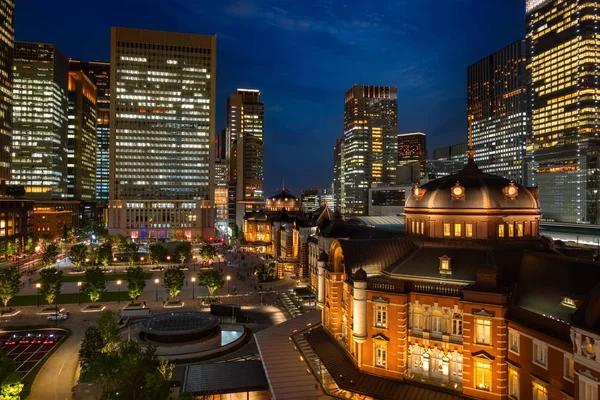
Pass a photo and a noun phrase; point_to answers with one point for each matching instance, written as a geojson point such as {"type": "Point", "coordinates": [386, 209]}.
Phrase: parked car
{"type": "Point", "coordinates": [184, 268]}
{"type": "Point", "coordinates": [12, 340]}
{"type": "Point", "coordinates": [58, 317]}
{"type": "Point", "coordinates": [49, 339]}
{"type": "Point", "coordinates": [157, 269]}
{"type": "Point", "coordinates": [39, 339]}
{"type": "Point", "coordinates": [26, 339]}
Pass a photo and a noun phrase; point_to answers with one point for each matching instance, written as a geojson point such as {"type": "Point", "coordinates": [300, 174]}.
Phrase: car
{"type": "Point", "coordinates": [14, 339]}
{"type": "Point", "coordinates": [50, 339]}
{"type": "Point", "coordinates": [184, 268]}
{"type": "Point", "coordinates": [26, 339]}
{"type": "Point", "coordinates": [39, 339]}
{"type": "Point", "coordinates": [157, 269]}
{"type": "Point", "coordinates": [58, 317]}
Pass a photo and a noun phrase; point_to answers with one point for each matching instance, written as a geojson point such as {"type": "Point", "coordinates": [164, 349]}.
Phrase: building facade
{"type": "Point", "coordinates": [471, 301]}
{"type": "Point", "coordinates": [338, 176]}
{"type": "Point", "coordinates": [370, 150]}
{"type": "Point", "coordinates": [456, 152]}
{"type": "Point", "coordinates": [564, 60]}
{"type": "Point", "coordinates": [221, 198]}
{"type": "Point", "coordinates": [40, 89]}
{"type": "Point", "coordinates": [7, 43]}
{"type": "Point", "coordinates": [81, 139]}
{"type": "Point", "coordinates": [162, 133]}
{"type": "Point", "coordinates": [412, 147]}
{"type": "Point", "coordinates": [497, 104]}
{"type": "Point", "coordinates": [387, 201]}
{"type": "Point", "coordinates": [309, 200]}
{"type": "Point", "coordinates": [16, 223]}
{"type": "Point", "coordinates": [245, 124]}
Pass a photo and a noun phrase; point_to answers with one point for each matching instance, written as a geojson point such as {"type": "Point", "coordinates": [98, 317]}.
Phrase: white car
{"type": "Point", "coordinates": [58, 317]}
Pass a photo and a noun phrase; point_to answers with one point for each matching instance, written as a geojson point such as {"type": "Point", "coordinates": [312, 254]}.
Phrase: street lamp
{"type": "Point", "coordinates": [38, 286]}
{"type": "Point", "coordinates": [156, 284]}
{"type": "Point", "coordinates": [168, 258]}
{"type": "Point", "coordinates": [119, 291]}
{"type": "Point", "coordinates": [193, 287]}
{"type": "Point", "coordinates": [79, 291]}
{"type": "Point", "coordinates": [228, 279]}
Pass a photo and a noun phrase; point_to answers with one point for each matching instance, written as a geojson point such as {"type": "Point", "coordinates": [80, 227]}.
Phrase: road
{"type": "Point", "coordinates": [56, 378]}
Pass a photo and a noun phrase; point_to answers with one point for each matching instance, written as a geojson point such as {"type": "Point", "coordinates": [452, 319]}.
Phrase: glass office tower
{"type": "Point", "coordinates": [7, 40]}
{"type": "Point", "coordinates": [39, 162]}
{"type": "Point", "coordinates": [564, 58]}
{"type": "Point", "coordinates": [162, 134]}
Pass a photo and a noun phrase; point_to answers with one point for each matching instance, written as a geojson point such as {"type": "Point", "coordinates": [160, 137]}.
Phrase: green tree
{"type": "Point", "coordinates": [31, 244]}
{"type": "Point", "coordinates": [91, 347]}
{"type": "Point", "coordinates": [11, 248]}
{"type": "Point", "coordinates": [77, 254]}
{"type": "Point", "coordinates": [157, 254]}
{"type": "Point", "coordinates": [208, 252]}
{"type": "Point", "coordinates": [50, 254]}
{"type": "Point", "coordinates": [136, 282]}
{"type": "Point", "coordinates": [158, 385]}
{"type": "Point", "coordinates": [212, 279]}
{"type": "Point", "coordinates": [10, 284]}
{"type": "Point", "coordinates": [106, 254]}
{"type": "Point", "coordinates": [95, 283]}
{"type": "Point", "coordinates": [131, 250]}
{"type": "Point", "coordinates": [173, 281]}
{"type": "Point", "coordinates": [51, 280]}
{"type": "Point", "coordinates": [10, 379]}
{"type": "Point", "coordinates": [183, 251]}
{"type": "Point", "coordinates": [109, 330]}
{"type": "Point", "coordinates": [93, 253]}
{"type": "Point", "coordinates": [120, 241]}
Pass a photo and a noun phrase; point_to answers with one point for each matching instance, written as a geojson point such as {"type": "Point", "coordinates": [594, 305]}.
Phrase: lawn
{"type": "Point", "coordinates": [109, 277]}
{"type": "Point", "coordinates": [68, 298]}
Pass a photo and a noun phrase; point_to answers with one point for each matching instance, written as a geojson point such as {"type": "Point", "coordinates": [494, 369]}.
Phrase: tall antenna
{"type": "Point", "coordinates": [470, 151]}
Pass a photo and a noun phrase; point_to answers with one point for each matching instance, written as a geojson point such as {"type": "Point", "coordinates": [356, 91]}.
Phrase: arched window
{"type": "Point", "coordinates": [436, 322]}
{"type": "Point", "coordinates": [418, 320]}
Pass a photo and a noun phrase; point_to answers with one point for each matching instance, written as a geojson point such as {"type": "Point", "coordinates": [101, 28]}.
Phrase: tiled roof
{"type": "Point", "coordinates": [374, 255]}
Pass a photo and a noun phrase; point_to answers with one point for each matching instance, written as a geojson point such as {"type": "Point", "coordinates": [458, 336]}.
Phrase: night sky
{"type": "Point", "coordinates": [304, 55]}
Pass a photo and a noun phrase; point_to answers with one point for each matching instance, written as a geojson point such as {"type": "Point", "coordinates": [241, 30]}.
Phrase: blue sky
{"type": "Point", "coordinates": [304, 55]}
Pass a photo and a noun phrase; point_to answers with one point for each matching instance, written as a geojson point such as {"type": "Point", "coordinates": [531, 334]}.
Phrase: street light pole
{"type": "Point", "coordinates": [38, 286]}
{"type": "Point", "coordinates": [79, 291]}
{"type": "Point", "coordinates": [228, 280]}
{"type": "Point", "coordinates": [156, 285]}
{"type": "Point", "coordinates": [119, 291]}
{"type": "Point", "coordinates": [193, 287]}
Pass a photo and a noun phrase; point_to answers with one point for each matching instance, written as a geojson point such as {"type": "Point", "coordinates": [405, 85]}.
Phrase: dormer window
{"type": "Point", "coordinates": [569, 302]}
{"type": "Point", "coordinates": [445, 266]}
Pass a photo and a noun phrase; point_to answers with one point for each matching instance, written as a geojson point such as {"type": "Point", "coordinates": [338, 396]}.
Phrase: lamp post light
{"type": "Point", "coordinates": [38, 286]}
{"type": "Point", "coordinates": [228, 280]}
{"type": "Point", "coordinates": [193, 287]}
{"type": "Point", "coordinates": [79, 291]}
{"type": "Point", "coordinates": [119, 291]}
{"type": "Point", "coordinates": [156, 285]}
{"type": "Point", "coordinates": [168, 258]}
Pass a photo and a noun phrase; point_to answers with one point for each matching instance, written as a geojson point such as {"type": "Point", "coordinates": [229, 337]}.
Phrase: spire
{"type": "Point", "coordinates": [470, 151]}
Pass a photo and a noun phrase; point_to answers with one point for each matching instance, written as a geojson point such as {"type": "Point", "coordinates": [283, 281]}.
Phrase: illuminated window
{"type": "Point", "coordinates": [588, 389]}
{"type": "Point", "coordinates": [511, 230]}
{"type": "Point", "coordinates": [418, 319]}
{"type": "Point", "coordinates": [539, 392]}
{"type": "Point", "coordinates": [569, 302]}
{"type": "Point", "coordinates": [501, 230]}
{"type": "Point", "coordinates": [469, 230]}
{"type": "Point", "coordinates": [422, 227]}
{"type": "Point", "coordinates": [519, 229]}
{"type": "Point", "coordinates": [446, 229]}
{"type": "Point", "coordinates": [513, 383]}
{"type": "Point", "coordinates": [457, 323]}
{"type": "Point", "coordinates": [569, 367]}
{"type": "Point", "coordinates": [412, 226]}
{"type": "Point", "coordinates": [381, 316]}
{"type": "Point", "coordinates": [483, 331]}
{"type": "Point", "coordinates": [457, 230]}
{"type": "Point", "coordinates": [483, 376]}
{"type": "Point", "coordinates": [436, 322]}
{"type": "Point", "coordinates": [540, 353]}
{"type": "Point", "coordinates": [381, 355]}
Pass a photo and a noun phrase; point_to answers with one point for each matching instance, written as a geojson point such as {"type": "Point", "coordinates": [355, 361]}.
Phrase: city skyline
{"type": "Point", "coordinates": [416, 46]}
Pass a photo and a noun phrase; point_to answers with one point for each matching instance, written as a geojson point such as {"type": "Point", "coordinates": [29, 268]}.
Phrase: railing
{"type": "Point", "coordinates": [441, 289]}
{"type": "Point", "coordinates": [394, 287]}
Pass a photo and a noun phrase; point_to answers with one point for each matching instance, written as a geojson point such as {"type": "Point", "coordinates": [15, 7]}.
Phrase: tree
{"type": "Point", "coordinates": [158, 384]}
{"type": "Point", "coordinates": [105, 253]}
{"type": "Point", "coordinates": [131, 251]}
{"type": "Point", "coordinates": [183, 251]}
{"type": "Point", "coordinates": [77, 254]}
{"type": "Point", "coordinates": [11, 249]}
{"type": "Point", "coordinates": [51, 280]}
{"type": "Point", "coordinates": [31, 244]}
{"type": "Point", "coordinates": [95, 283]}
{"type": "Point", "coordinates": [173, 281]}
{"type": "Point", "coordinates": [10, 284]}
{"type": "Point", "coordinates": [212, 279]}
{"type": "Point", "coordinates": [91, 347]}
{"type": "Point", "coordinates": [93, 253]}
{"type": "Point", "coordinates": [50, 254]}
{"type": "Point", "coordinates": [157, 254]}
{"type": "Point", "coordinates": [179, 236]}
{"type": "Point", "coordinates": [109, 331]}
{"type": "Point", "coordinates": [136, 282]}
{"type": "Point", "coordinates": [208, 252]}
{"type": "Point", "coordinates": [10, 379]}
{"type": "Point", "coordinates": [120, 241]}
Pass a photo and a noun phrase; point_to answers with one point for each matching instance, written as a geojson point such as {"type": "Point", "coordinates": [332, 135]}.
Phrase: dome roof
{"type": "Point", "coordinates": [472, 189]}
{"type": "Point", "coordinates": [360, 275]}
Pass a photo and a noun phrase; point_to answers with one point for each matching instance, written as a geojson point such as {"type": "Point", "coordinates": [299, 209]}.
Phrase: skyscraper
{"type": "Point", "coordinates": [245, 119]}
{"type": "Point", "coordinates": [412, 147]}
{"type": "Point", "coordinates": [39, 162]}
{"type": "Point", "coordinates": [7, 40]}
{"type": "Point", "coordinates": [99, 74]}
{"type": "Point", "coordinates": [162, 134]}
{"type": "Point", "coordinates": [497, 102]}
{"type": "Point", "coordinates": [370, 143]}
{"type": "Point", "coordinates": [564, 61]}
{"type": "Point", "coordinates": [81, 140]}
{"type": "Point", "coordinates": [338, 175]}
